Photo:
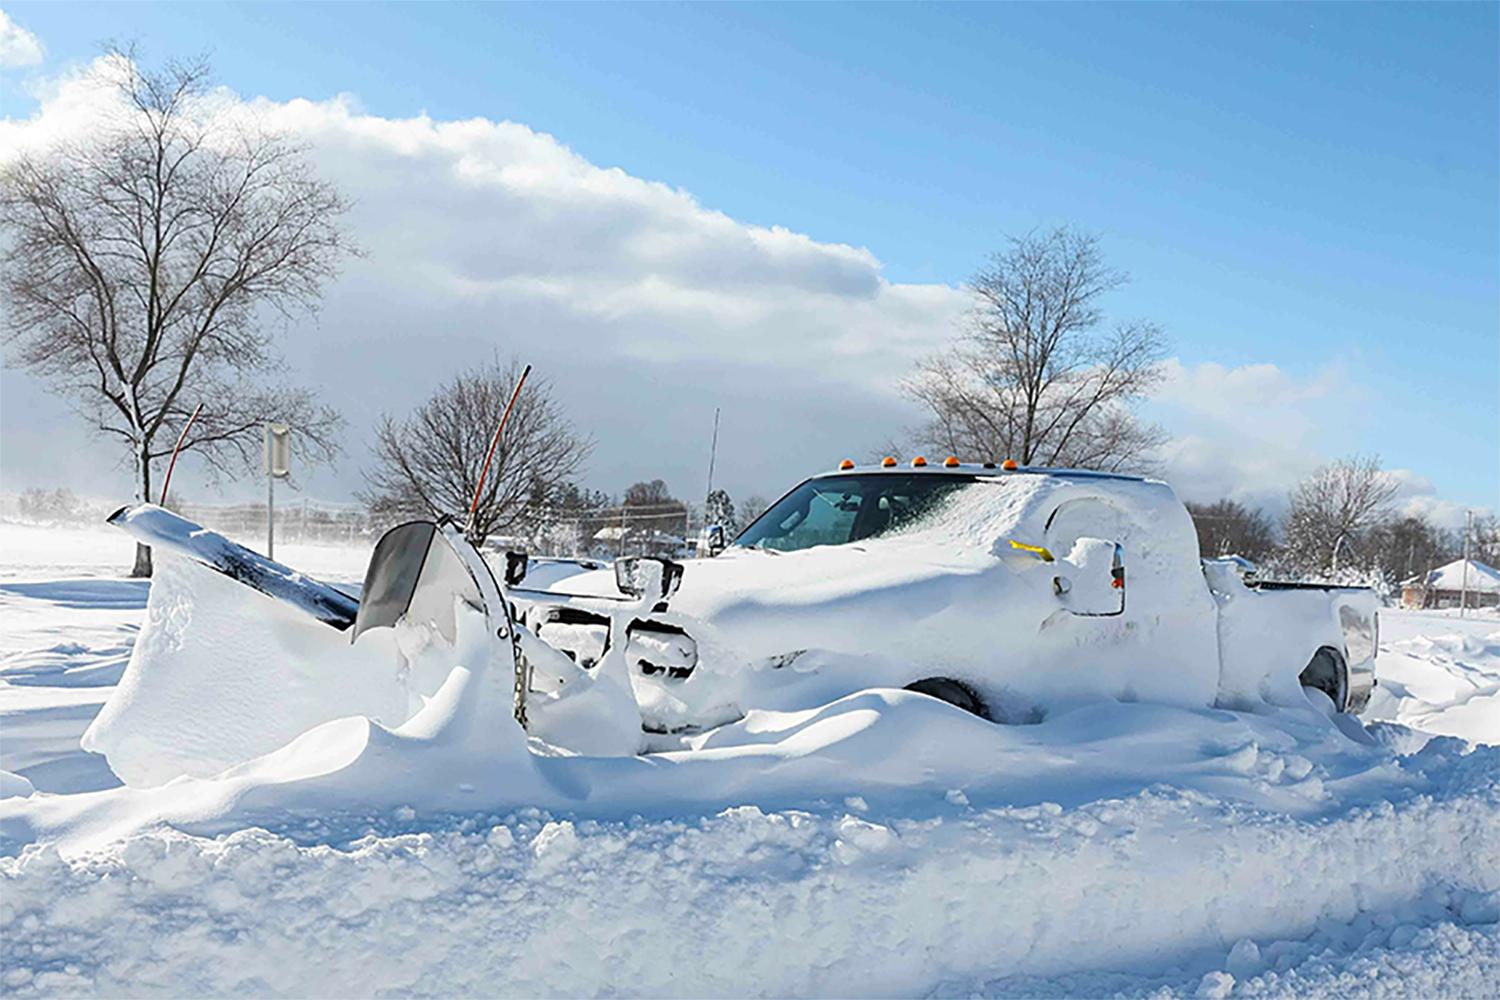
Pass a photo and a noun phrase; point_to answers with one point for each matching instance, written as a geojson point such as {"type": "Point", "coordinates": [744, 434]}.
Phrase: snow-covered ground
{"type": "Point", "coordinates": [884, 844]}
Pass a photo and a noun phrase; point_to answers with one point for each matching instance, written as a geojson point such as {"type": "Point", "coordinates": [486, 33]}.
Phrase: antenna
{"type": "Point", "coordinates": [713, 454]}
{"type": "Point", "coordinates": [494, 443]}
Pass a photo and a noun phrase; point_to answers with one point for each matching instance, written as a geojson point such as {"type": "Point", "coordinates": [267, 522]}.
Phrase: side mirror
{"type": "Point", "coordinates": [1091, 578]}
{"type": "Point", "coordinates": [642, 575]}
{"type": "Point", "coordinates": [716, 539]}
{"type": "Point", "coordinates": [516, 566]}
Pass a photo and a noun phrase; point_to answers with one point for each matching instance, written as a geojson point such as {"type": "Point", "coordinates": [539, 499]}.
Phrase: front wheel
{"type": "Point", "coordinates": [955, 693]}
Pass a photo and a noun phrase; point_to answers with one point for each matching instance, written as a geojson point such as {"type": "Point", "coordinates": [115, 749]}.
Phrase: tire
{"type": "Point", "coordinates": [955, 693]}
{"type": "Point", "coordinates": [1326, 672]}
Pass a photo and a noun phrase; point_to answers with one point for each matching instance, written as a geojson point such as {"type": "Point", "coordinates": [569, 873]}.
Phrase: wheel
{"type": "Point", "coordinates": [1326, 672]}
{"type": "Point", "coordinates": [955, 693]}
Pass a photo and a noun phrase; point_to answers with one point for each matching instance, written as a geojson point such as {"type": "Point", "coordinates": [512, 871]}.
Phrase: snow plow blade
{"type": "Point", "coordinates": [415, 571]}
{"type": "Point", "coordinates": [160, 528]}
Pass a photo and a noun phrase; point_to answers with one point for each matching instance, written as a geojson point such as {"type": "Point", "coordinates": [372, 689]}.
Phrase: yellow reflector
{"type": "Point", "coordinates": [1036, 549]}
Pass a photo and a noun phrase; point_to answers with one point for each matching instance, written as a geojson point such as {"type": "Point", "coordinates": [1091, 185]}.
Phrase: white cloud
{"type": "Point", "coordinates": [18, 47]}
{"type": "Point", "coordinates": [1417, 496]}
{"type": "Point", "coordinates": [1251, 432]}
{"type": "Point", "coordinates": [646, 307]}
{"type": "Point", "coordinates": [1248, 432]}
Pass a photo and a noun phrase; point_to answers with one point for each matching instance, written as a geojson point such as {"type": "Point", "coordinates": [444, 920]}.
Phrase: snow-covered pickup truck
{"type": "Point", "coordinates": [1007, 591]}
{"type": "Point", "coordinates": [1013, 593]}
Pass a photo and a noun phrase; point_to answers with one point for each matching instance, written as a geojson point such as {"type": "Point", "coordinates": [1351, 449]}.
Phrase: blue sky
{"type": "Point", "coordinates": [1304, 185]}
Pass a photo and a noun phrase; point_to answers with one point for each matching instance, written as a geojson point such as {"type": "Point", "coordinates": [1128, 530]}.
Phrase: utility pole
{"type": "Point", "coordinates": [1463, 592]}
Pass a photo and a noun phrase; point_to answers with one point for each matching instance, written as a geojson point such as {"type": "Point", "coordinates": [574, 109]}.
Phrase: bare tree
{"type": "Point", "coordinates": [651, 516]}
{"type": "Point", "coordinates": [1333, 511]}
{"type": "Point", "coordinates": [143, 261]}
{"type": "Point", "coordinates": [1229, 528]}
{"type": "Point", "coordinates": [754, 506]}
{"type": "Point", "coordinates": [1033, 378]}
{"type": "Point", "coordinates": [429, 464]}
{"type": "Point", "coordinates": [1405, 547]}
{"type": "Point", "coordinates": [1486, 540]}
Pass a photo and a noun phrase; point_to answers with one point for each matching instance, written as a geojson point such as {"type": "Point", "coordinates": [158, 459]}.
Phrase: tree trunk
{"type": "Point", "coordinates": [142, 567]}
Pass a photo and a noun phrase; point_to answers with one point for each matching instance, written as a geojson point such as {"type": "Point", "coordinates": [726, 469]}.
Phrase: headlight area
{"type": "Point", "coordinates": [657, 649]}
{"type": "Point", "coordinates": [581, 636]}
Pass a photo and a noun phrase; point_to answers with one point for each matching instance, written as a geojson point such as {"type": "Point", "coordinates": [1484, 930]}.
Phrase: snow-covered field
{"type": "Point", "coordinates": [884, 844]}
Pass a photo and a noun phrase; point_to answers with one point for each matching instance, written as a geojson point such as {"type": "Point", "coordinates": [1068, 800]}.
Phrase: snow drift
{"type": "Point", "coordinates": [1162, 888]}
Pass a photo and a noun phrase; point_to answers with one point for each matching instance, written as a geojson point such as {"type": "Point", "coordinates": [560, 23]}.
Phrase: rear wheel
{"type": "Point", "coordinates": [955, 693]}
{"type": "Point", "coordinates": [1326, 672]}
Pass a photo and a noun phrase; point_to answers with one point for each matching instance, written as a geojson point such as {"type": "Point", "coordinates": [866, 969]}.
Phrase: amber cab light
{"type": "Point", "coordinates": [918, 462]}
{"type": "Point", "coordinates": [951, 462]}
{"type": "Point", "coordinates": [1009, 465]}
{"type": "Point", "coordinates": [888, 462]}
{"type": "Point", "coordinates": [845, 465]}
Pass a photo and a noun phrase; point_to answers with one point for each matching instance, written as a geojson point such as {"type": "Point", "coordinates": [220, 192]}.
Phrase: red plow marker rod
{"type": "Point", "coordinates": [495, 443]}
{"type": "Point", "coordinates": [167, 480]}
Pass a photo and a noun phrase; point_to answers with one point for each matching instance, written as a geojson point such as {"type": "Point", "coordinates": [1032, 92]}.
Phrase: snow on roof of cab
{"type": "Point", "coordinates": [936, 467]}
{"type": "Point", "coordinates": [1482, 578]}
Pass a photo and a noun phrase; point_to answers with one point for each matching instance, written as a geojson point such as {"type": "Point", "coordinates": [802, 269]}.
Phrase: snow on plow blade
{"type": "Point", "coordinates": [155, 526]}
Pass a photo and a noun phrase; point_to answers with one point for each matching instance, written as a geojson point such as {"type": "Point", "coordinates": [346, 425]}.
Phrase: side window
{"type": "Point", "coordinates": [828, 519]}
{"type": "Point", "coordinates": [1086, 536]}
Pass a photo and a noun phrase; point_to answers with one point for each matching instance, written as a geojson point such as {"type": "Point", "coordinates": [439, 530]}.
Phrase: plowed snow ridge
{"type": "Point", "coordinates": [783, 903]}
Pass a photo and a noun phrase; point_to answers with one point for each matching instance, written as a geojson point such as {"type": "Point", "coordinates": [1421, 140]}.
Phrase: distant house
{"type": "Point", "coordinates": [638, 541]}
{"type": "Point", "coordinates": [1442, 587]}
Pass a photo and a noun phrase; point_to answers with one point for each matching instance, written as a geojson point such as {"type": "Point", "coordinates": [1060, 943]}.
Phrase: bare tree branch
{"type": "Point", "coordinates": [429, 464]}
{"type": "Point", "coordinates": [141, 261]}
{"type": "Point", "coordinates": [1333, 512]}
{"type": "Point", "coordinates": [1031, 379]}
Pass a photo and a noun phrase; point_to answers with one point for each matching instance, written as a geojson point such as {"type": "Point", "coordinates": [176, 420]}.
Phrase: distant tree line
{"type": "Point", "coordinates": [1340, 524]}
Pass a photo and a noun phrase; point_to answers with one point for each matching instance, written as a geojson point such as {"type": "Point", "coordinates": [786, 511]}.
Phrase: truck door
{"type": "Point", "coordinates": [1086, 537]}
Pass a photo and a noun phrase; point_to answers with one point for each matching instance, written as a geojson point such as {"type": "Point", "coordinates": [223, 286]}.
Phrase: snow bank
{"type": "Point", "coordinates": [1440, 675]}
{"type": "Point", "coordinates": [1167, 886]}
{"type": "Point", "coordinates": [221, 673]}
{"type": "Point", "coordinates": [13, 785]}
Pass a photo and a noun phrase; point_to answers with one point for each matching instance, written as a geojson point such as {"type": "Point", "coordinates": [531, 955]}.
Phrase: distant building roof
{"type": "Point", "coordinates": [1482, 579]}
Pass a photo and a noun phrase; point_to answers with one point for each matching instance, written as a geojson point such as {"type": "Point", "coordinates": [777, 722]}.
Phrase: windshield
{"type": "Point", "coordinates": [838, 509]}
